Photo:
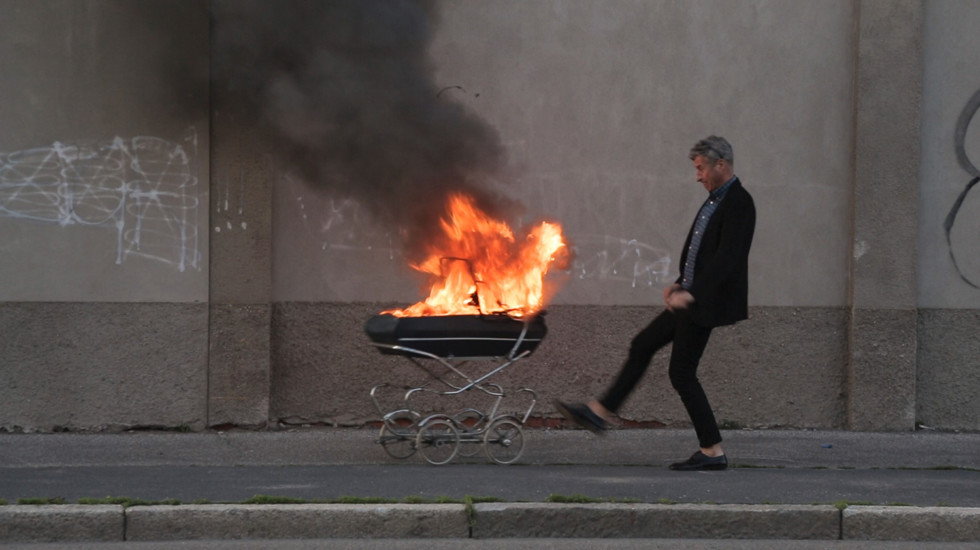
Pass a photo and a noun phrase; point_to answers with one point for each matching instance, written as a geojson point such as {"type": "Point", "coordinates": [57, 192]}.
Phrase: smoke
{"type": "Point", "coordinates": [344, 91]}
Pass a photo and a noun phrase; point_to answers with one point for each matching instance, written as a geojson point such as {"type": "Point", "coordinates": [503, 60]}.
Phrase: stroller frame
{"type": "Point", "coordinates": [440, 437]}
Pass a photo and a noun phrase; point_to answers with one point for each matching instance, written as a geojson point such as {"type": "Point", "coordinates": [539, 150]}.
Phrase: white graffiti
{"type": "Point", "coordinates": [612, 258]}
{"type": "Point", "coordinates": [595, 257]}
{"type": "Point", "coordinates": [342, 225]}
{"type": "Point", "coordinates": [142, 188]}
{"type": "Point", "coordinates": [227, 206]}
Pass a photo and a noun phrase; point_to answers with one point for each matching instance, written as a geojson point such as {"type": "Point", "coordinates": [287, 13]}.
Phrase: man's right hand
{"type": "Point", "coordinates": [668, 292]}
{"type": "Point", "coordinates": [680, 300]}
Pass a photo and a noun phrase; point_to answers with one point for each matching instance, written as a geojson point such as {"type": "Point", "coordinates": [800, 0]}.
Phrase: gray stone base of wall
{"type": "Point", "coordinates": [948, 360]}
{"type": "Point", "coordinates": [103, 366]}
{"type": "Point", "coordinates": [785, 367]}
{"type": "Point", "coordinates": [111, 366]}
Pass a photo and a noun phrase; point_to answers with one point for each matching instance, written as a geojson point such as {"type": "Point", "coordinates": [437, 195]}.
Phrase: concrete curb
{"type": "Point", "coordinates": [62, 523]}
{"type": "Point", "coordinates": [296, 521]}
{"type": "Point", "coordinates": [111, 523]}
{"type": "Point", "coordinates": [898, 523]}
{"type": "Point", "coordinates": [656, 521]}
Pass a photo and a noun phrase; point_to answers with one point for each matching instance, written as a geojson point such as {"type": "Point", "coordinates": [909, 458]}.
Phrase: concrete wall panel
{"type": "Point", "coordinates": [888, 85]}
{"type": "Point", "coordinates": [240, 269]}
{"type": "Point", "coordinates": [103, 153]}
{"type": "Point", "coordinates": [948, 253]}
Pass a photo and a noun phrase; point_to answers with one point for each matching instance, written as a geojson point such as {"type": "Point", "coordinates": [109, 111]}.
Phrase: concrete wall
{"type": "Point", "coordinates": [238, 294]}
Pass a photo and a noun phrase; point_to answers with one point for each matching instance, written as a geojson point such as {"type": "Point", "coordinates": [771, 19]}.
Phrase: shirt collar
{"type": "Point", "coordinates": [720, 193]}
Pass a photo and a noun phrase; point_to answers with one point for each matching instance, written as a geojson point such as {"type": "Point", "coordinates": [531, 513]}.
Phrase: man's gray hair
{"type": "Point", "coordinates": [713, 148]}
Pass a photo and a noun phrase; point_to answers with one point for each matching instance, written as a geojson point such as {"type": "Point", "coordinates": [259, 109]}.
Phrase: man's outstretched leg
{"type": "Point", "coordinates": [596, 415]}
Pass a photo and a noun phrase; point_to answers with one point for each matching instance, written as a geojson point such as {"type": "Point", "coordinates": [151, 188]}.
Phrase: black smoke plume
{"type": "Point", "coordinates": [344, 90]}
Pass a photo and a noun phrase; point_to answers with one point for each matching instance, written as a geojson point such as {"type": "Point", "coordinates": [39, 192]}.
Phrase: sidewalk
{"type": "Point", "coordinates": [785, 484]}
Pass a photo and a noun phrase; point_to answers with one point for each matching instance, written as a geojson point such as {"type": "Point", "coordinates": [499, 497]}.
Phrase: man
{"type": "Point", "coordinates": [711, 291]}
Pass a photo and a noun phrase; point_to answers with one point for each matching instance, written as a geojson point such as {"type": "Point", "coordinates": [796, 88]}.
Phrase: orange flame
{"type": "Point", "coordinates": [479, 267]}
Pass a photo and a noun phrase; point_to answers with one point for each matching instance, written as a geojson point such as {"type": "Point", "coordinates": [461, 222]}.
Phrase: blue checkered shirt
{"type": "Point", "coordinates": [704, 216]}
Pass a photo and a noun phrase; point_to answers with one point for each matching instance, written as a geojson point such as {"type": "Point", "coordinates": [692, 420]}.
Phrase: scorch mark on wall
{"type": "Point", "coordinates": [142, 188]}
{"type": "Point", "coordinates": [959, 137]}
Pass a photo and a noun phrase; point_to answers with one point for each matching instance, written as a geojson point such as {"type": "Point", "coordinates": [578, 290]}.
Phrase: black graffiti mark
{"type": "Point", "coordinates": [962, 123]}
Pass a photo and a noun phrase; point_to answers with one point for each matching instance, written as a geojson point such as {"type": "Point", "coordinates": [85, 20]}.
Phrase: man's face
{"type": "Point", "coordinates": [711, 175]}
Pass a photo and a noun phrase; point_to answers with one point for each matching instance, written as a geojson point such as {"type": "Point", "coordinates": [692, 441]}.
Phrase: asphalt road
{"type": "Point", "coordinates": [533, 483]}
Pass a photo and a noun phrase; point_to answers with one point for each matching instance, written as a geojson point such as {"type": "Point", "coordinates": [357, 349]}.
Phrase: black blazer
{"type": "Point", "coordinates": [721, 270]}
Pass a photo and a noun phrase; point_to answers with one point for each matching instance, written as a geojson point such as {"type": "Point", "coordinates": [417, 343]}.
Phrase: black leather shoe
{"type": "Point", "coordinates": [701, 461]}
{"type": "Point", "coordinates": [583, 416]}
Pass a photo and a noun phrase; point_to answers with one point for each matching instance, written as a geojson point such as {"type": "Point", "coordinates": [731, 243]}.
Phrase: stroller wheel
{"type": "Point", "coordinates": [504, 440]}
{"type": "Point", "coordinates": [437, 440]}
{"type": "Point", "coordinates": [397, 436]}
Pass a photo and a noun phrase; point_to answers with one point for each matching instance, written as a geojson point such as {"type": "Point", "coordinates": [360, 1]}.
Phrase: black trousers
{"type": "Point", "coordinates": [689, 342]}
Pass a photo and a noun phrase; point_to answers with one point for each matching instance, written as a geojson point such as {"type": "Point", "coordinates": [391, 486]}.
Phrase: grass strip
{"type": "Point", "coordinates": [579, 498]}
